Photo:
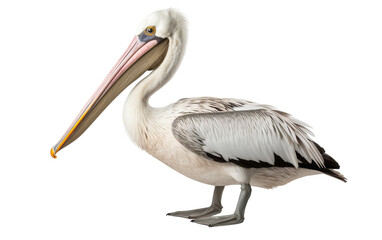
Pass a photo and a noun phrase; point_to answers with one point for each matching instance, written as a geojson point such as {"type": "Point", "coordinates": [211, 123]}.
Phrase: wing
{"type": "Point", "coordinates": [259, 136]}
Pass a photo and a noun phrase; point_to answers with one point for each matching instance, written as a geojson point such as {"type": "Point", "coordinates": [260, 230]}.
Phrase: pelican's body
{"type": "Point", "coordinates": [151, 129]}
{"type": "Point", "coordinates": [211, 140]}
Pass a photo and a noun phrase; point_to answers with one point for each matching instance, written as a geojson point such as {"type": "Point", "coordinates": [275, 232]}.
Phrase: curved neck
{"type": "Point", "coordinates": [160, 76]}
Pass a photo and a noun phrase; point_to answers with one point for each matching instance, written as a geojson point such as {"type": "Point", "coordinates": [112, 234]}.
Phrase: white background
{"type": "Point", "coordinates": [319, 60]}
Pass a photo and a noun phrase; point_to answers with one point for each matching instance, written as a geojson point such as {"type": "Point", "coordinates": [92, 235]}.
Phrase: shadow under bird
{"type": "Point", "coordinates": [217, 141]}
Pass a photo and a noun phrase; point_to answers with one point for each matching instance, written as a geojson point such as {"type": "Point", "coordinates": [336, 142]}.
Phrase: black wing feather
{"type": "Point", "coordinates": [329, 163]}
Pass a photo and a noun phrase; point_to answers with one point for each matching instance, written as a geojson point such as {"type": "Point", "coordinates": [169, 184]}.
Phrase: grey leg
{"type": "Point", "coordinates": [215, 208]}
{"type": "Point", "coordinates": [236, 217]}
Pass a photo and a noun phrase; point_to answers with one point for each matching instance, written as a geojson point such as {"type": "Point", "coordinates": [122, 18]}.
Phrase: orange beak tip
{"type": "Point", "coordinates": [52, 153]}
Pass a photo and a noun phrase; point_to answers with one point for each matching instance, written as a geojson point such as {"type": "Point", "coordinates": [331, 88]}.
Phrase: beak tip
{"type": "Point", "coordinates": [52, 153]}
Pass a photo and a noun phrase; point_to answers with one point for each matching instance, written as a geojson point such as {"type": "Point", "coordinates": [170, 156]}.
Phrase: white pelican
{"type": "Point", "coordinates": [211, 140]}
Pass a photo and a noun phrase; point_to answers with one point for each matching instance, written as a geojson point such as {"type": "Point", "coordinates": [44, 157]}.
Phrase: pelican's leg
{"type": "Point", "coordinates": [236, 217]}
{"type": "Point", "coordinates": [215, 208]}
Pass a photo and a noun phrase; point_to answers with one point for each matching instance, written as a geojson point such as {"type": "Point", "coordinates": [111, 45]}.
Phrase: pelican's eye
{"type": "Point", "coordinates": [150, 30]}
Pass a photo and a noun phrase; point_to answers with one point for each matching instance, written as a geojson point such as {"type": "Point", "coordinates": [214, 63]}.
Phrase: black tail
{"type": "Point", "coordinates": [330, 164]}
{"type": "Point", "coordinates": [333, 173]}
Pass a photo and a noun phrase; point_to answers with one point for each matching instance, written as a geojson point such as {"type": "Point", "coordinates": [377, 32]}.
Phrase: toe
{"type": "Point", "coordinates": [219, 220]}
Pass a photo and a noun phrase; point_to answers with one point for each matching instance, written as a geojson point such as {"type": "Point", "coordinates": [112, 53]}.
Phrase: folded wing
{"type": "Point", "coordinates": [258, 136]}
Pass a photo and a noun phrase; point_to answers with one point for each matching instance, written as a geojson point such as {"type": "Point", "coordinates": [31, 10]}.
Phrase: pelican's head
{"type": "Point", "coordinates": [146, 52]}
{"type": "Point", "coordinates": [166, 23]}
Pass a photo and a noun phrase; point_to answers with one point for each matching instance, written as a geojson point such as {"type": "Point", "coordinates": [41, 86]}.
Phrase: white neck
{"type": "Point", "coordinates": [137, 112]}
{"type": "Point", "coordinates": [160, 76]}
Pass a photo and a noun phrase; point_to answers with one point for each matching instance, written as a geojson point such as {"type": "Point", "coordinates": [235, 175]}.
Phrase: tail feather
{"type": "Point", "coordinates": [330, 164]}
{"type": "Point", "coordinates": [333, 173]}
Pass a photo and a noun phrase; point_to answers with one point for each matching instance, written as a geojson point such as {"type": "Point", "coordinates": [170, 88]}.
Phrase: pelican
{"type": "Point", "coordinates": [216, 141]}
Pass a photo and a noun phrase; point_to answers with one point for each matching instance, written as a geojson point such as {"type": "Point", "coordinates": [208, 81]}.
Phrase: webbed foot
{"type": "Point", "coordinates": [220, 220]}
{"type": "Point", "coordinates": [197, 213]}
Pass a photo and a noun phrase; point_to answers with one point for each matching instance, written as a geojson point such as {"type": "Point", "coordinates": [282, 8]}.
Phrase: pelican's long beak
{"type": "Point", "coordinates": [138, 58]}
